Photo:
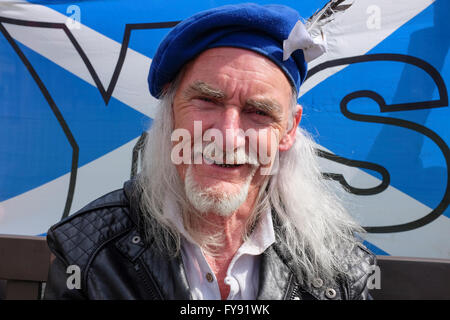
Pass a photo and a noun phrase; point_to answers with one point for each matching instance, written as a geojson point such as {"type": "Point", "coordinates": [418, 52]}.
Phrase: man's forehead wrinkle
{"type": "Point", "coordinates": [260, 84]}
{"type": "Point", "coordinates": [261, 72]}
{"type": "Point", "coordinates": [232, 59]}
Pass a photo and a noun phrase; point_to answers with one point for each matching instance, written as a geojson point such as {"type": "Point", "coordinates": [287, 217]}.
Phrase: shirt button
{"type": "Point", "coordinates": [209, 277]}
{"type": "Point", "coordinates": [330, 293]}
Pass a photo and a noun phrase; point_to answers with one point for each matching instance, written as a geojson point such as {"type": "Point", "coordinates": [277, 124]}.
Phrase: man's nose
{"type": "Point", "coordinates": [231, 127]}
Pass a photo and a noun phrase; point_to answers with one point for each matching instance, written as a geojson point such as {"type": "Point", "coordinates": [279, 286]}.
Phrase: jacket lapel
{"type": "Point", "coordinates": [165, 273]}
{"type": "Point", "coordinates": [275, 278]}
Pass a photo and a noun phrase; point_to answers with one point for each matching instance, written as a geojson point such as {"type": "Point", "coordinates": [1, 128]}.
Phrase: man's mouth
{"type": "Point", "coordinates": [222, 164]}
{"type": "Point", "coordinates": [228, 165]}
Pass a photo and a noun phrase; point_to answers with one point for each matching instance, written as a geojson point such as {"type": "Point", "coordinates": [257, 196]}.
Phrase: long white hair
{"type": "Point", "coordinates": [311, 222]}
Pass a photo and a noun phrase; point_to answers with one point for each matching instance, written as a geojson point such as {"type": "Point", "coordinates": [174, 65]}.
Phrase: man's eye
{"type": "Point", "coordinates": [205, 99]}
{"type": "Point", "coordinates": [261, 113]}
{"type": "Point", "coordinates": [258, 112]}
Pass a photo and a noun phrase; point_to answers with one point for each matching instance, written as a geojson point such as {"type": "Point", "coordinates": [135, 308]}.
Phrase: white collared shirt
{"type": "Point", "coordinates": [243, 271]}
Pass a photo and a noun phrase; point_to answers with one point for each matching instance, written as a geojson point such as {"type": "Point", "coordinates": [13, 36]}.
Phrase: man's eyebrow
{"type": "Point", "coordinates": [272, 108]}
{"type": "Point", "coordinates": [204, 89]}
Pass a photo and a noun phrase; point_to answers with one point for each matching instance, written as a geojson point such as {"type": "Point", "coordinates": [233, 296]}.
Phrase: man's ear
{"type": "Point", "coordinates": [289, 137]}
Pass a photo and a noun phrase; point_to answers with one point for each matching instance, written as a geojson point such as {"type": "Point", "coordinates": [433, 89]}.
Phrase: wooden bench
{"type": "Point", "coordinates": [413, 279]}
{"type": "Point", "coordinates": [25, 261]}
{"type": "Point", "coordinates": [24, 265]}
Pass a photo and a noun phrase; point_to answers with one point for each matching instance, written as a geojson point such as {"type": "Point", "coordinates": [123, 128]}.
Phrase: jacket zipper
{"type": "Point", "coordinates": [150, 288]}
{"type": "Point", "coordinates": [294, 292]}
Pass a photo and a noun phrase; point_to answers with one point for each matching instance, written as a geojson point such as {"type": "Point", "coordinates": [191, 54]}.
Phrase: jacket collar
{"type": "Point", "coordinates": [132, 195]}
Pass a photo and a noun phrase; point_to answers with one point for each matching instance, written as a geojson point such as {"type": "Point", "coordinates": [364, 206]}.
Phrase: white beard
{"type": "Point", "coordinates": [211, 199]}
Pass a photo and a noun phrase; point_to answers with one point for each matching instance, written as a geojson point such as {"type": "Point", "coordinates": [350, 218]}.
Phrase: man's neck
{"type": "Point", "coordinates": [232, 228]}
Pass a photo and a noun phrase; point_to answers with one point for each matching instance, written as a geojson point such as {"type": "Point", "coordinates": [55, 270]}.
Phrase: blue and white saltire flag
{"type": "Point", "coordinates": [74, 103]}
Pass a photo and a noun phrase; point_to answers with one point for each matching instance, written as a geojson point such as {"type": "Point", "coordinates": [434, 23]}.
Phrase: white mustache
{"type": "Point", "coordinates": [213, 153]}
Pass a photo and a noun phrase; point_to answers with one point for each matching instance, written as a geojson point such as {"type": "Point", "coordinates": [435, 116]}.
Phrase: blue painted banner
{"type": "Point", "coordinates": [74, 104]}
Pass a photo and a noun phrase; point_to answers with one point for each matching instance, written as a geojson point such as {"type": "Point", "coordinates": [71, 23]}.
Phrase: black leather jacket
{"type": "Point", "coordinates": [104, 239]}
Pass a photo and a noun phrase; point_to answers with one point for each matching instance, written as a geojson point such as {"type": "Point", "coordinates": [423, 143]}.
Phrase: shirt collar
{"type": "Point", "coordinates": [262, 237]}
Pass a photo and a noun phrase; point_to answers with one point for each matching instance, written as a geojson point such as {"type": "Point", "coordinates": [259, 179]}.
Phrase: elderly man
{"type": "Point", "coordinates": [230, 202]}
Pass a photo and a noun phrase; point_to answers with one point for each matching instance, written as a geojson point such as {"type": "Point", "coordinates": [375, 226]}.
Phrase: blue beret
{"type": "Point", "coordinates": [249, 26]}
